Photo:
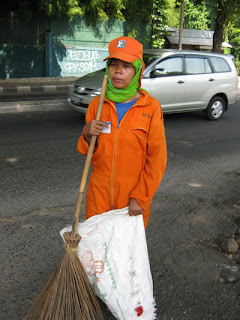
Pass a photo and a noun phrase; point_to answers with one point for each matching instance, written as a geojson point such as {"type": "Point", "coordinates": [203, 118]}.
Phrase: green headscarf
{"type": "Point", "coordinates": [121, 95]}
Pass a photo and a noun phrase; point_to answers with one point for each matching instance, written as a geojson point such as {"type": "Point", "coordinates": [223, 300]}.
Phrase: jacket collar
{"type": "Point", "coordinates": [143, 100]}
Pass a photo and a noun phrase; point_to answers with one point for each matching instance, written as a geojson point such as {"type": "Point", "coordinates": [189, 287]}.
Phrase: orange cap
{"type": "Point", "coordinates": [126, 49]}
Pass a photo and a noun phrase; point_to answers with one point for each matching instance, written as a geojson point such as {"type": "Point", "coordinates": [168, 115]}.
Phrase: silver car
{"type": "Point", "coordinates": [181, 81]}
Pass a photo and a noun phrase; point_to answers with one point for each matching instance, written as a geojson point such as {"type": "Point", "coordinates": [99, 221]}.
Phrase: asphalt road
{"type": "Point", "coordinates": [194, 209]}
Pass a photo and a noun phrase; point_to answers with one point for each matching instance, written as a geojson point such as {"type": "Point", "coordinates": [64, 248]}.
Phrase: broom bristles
{"type": "Point", "coordinates": [67, 295]}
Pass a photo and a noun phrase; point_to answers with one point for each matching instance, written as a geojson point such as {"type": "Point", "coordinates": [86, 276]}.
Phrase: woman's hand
{"type": "Point", "coordinates": [134, 208]}
{"type": "Point", "coordinates": [93, 128]}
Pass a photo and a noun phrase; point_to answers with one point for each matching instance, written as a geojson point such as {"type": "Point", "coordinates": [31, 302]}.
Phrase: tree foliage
{"type": "Point", "coordinates": [225, 14]}
{"type": "Point", "coordinates": [172, 14]}
{"type": "Point", "coordinates": [94, 9]}
{"type": "Point", "coordinates": [234, 36]}
{"type": "Point", "coordinates": [195, 16]}
{"type": "Point", "coordinates": [159, 23]}
{"type": "Point", "coordinates": [137, 14]}
{"type": "Point", "coordinates": [222, 16]}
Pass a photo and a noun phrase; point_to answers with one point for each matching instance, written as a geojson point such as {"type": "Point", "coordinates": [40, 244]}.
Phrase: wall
{"type": "Point", "coordinates": [21, 61]}
{"type": "Point", "coordinates": [78, 61]}
{"type": "Point", "coordinates": [44, 47]}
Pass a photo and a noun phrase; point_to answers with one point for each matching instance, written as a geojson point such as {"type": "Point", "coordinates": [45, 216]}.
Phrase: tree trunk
{"type": "Point", "coordinates": [221, 22]}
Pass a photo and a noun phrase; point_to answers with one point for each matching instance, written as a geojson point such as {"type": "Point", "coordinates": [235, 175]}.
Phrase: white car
{"type": "Point", "coordinates": [180, 80]}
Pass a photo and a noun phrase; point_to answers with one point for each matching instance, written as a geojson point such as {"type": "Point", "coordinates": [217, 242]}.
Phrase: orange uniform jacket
{"type": "Point", "coordinates": [130, 161]}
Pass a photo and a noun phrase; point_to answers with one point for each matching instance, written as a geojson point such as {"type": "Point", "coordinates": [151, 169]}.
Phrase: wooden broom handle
{"type": "Point", "coordinates": [88, 160]}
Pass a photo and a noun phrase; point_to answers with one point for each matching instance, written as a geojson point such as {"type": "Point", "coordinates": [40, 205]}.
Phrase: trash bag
{"type": "Point", "coordinates": [113, 251]}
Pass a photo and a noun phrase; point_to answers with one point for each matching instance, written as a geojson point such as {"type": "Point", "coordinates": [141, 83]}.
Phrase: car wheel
{"type": "Point", "coordinates": [216, 108]}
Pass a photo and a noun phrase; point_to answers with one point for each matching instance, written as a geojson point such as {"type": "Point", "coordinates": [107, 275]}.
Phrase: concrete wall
{"type": "Point", "coordinates": [21, 61]}
{"type": "Point", "coordinates": [55, 48]}
{"type": "Point", "coordinates": [78, 60]}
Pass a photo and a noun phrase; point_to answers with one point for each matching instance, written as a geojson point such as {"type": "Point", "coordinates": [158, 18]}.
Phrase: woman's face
{"type": "Point", "coordinates": [120, 73]}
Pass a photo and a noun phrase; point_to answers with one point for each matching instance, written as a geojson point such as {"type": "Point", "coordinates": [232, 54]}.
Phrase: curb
{"type": "Point", "coordinates": [34, 106]}
{"type": "Point", "coordinates": [39, 86]}
{"type": "Point", "coordinates": [36, 81]}
{"type": "Point", "coordinates": [50, 94]}
{"type": "Point", "coordinates": [26, 86]}
{"type": "Point", "coordinates": [33, 90]}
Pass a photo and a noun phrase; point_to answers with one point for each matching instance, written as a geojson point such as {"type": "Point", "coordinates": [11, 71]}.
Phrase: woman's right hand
{"type": "Point", "coordinates": [93, 128]}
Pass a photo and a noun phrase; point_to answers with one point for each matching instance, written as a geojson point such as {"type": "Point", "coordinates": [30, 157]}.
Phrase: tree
{"type": "Point", "coordinates": [159, 23]}
{"type": "Point", "coordinates": [95, 9]}
{"type": "Point", "coordinates": [234, 36]}
{"type": "Point", "coordinates": [172, 14]}
{"type": "Point", "coordinates": [226, 11]}
{"type": "Point", "coordinates": [195, 16]}
{"type": "Point", "coordinates": [138, 19]}
{"type": "Point", "coordinates": [217, 15]}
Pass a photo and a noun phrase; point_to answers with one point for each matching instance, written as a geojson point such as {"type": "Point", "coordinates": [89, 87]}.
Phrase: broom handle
{"type": "Point", "coordinates": [88, 160]}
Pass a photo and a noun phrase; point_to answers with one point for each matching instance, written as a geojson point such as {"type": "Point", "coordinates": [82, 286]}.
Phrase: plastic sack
{"type": "Point", "coordinates": [113, 251]}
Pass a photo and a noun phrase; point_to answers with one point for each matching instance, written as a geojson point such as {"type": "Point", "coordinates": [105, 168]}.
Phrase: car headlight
{"type": "Point", "coordinates": [96, 93]}
{"type": "Point", "coordinates": [80, 89]}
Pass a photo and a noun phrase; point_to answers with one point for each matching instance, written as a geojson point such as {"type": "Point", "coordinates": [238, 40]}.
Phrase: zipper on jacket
{"type": "Point", "coordinates": [113, 168]}
{"type": "Point", "coordinates": [114, 155]}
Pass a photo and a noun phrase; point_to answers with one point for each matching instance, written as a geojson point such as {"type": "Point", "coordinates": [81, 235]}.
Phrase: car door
{"type": "Point", "coordinates": [165, 82]}
{"type": "Point", "coordinates": [199, 80]}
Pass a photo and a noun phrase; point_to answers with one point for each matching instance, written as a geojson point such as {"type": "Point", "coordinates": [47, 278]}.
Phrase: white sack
{"type": "Point", "coordinates": [113, 251]}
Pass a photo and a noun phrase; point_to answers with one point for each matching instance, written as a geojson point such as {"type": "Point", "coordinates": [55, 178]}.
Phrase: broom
{"type": "Point", "coordinates": [68, 293]}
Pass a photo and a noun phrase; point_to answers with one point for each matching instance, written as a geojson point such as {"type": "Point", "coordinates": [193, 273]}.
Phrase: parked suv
{"type": "Point", "coordinates": [180, 80]}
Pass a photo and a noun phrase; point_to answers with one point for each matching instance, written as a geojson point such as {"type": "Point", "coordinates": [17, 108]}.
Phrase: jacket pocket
{"type": "Point", "coordinates": [138, 139]}
{"type": "Point", "coordinates": [141, 133]}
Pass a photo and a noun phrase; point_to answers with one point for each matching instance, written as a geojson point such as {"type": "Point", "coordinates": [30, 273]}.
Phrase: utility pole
{"type": "Point", "coordinates": [181, 26]}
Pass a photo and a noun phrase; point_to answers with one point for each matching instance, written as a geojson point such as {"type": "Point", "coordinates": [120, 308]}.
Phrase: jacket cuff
{"type": "Point", "coordinates": [82, 146]}
{"type": "Point", "coordinates": [140, 199]}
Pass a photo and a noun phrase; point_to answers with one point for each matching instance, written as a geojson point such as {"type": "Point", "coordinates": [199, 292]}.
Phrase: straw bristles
{"type": "Point", "coordinates": [68, 294]}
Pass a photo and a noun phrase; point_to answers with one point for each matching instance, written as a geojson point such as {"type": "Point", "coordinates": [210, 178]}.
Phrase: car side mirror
{"type": "Point", "coordinates": [158, 73]}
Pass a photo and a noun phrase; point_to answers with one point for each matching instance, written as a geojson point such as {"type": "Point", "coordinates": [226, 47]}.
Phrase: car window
{"type": "Point", "coordinates": [219, 64]}
{"type": "Point", "coordinates": [170, 67]}
{"type": "Point", "coordinates": [149, 58]}
{"type": "Point", "coordinates": [197, 65]}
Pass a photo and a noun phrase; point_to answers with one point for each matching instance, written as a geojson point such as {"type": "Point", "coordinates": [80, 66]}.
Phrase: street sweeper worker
{"type": "Point", "coordinates": [130, 154]}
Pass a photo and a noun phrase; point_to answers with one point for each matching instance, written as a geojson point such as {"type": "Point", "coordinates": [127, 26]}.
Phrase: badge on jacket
{"type": "Point", "coordinates": [107, 129]}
